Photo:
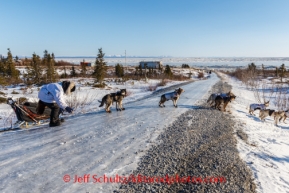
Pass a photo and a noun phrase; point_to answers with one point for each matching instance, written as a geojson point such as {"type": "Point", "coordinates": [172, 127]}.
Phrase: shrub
{"type": "Point", "coordinates": [239, 74]}
{"type": "Point", "coordinates": [63, 75]}
{"type": "Point", "coordinates": [24, 90]}
{"type": "Point", "coordinates": [22, 99]}
{"type": "Point", "coordinates": [2, 93]}
{"type": "Point", "coordinates": [185, 66]}
{"type": "Point", "coordinates": [119, 70]}
{"type": "Point", "coordinates": [81, 100]}
{"type": "Point", "coordinates": [31, 91]}
{"type": "Point", "coordinates": [125, 78]}
{"type": "Point", "coordinates": [152, 87]}
{"type": "Point", "coordinates": [14, 92]}
{"type": "Point", "coordinates": [168, 72]}
{"type": "Point", "coordinates": [179, 77]}
{"type": "Point", "coordinates": [99, 85]}
{"type": "Point", "coordinates": [87, 84]}
{"type": "Point", "coordinates": [3, 100]}
{"type": "Point", "coordinates": [200, 75]}
{"type": "Point", "coordinates": [163, 82]}
{"type": "Point", "coordinates": [63, 63]}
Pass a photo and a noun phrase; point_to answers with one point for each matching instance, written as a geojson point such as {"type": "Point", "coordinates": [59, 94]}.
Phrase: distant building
{"type": "Point", "coordinates": [151, 64]}
{"type": "Point", "coordinates": [270, 67]}
{"type": "Point", "coordinates": [85, 63]}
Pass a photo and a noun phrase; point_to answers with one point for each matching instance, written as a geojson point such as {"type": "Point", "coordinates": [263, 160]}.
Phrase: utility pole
{"type": "Point", "coordinates": [124, 57]}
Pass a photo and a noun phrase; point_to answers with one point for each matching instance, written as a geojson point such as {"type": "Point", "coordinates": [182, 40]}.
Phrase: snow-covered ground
{"type": "Point", "coordinates": [267, 149]}
{"type": "Point", "coordinates": [95, 143]}
{"type": "Point", "coordinates": [85, 95]}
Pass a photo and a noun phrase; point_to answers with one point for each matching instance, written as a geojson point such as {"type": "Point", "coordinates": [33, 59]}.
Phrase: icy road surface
{"type": "Point", "coordinates": [97, 143]}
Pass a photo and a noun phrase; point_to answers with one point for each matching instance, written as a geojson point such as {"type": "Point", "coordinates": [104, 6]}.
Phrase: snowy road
{"type": "Point", "coordinates": [97, 143]}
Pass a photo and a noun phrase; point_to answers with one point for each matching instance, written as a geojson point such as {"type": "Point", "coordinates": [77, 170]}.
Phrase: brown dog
{"type": "Point", "coordinates": [225, 100]}
{"type": "Point", "coordinates": [276, 115]}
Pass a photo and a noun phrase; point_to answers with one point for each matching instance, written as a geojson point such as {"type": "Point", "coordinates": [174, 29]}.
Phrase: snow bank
{"type": "Point", "coordinates": [266, 151]}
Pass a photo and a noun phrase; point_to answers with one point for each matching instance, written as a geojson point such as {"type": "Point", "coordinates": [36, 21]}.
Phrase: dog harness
{"type": "Point", "coordinates": [171, 95]}
{"type": "Point", "coordinates": [222, 95]}
{"type": "Point", "coordinates": [257, 106]}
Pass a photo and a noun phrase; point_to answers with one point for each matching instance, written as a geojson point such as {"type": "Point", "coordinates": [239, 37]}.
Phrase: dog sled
{"type": "Point", "coordinates": [26, 114]}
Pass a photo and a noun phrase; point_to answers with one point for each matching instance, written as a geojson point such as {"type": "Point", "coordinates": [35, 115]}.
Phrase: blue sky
{"type": "Point", "coordinates": [178, 28]}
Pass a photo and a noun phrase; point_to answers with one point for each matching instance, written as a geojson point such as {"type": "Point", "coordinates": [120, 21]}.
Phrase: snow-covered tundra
{"type": "Point", "coordinates": [266, 151]}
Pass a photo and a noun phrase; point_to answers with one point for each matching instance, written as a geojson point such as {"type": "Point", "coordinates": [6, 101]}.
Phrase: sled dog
{"type": "Point", "coordinates": [276, 115]}
{"type": "Point", "coordinates": [174, 96]}
{"type": "Point", "coordinates": [254, 107]}
{"type": "Point", "coordinates": [214, 95]}
{"type": "Point", "coordinates": [113, 97]}
{"type": "Point", "coordinates": [225, 100]}
{"type": "Point", "coordinates": [286, 114]}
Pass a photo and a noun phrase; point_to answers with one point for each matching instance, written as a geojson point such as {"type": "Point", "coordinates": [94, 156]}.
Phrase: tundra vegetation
{"type": "Point", "coordinates": [43, 70]}
{"type": "Point", "coordinates": [39, 70]}
{"type": "Point", "coordinates": [267, 84]}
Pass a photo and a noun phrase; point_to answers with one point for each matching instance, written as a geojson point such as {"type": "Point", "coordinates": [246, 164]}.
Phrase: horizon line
{"type": "Point", "coordinates": [19, 56]}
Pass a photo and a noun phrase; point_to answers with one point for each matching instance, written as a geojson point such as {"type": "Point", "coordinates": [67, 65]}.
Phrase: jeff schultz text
{"type": "Point", "coordinates": [87, 178]}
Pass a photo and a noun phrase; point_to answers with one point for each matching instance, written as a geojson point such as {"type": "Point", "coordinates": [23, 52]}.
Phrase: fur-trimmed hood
{"type": "Point", "coordinates": [68, 87]}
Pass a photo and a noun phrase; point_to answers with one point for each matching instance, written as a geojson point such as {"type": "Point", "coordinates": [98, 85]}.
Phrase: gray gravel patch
{"type": "Point", "coordinates": [242, 135]}
{"type": "Point", "coordinates": [199, 143]}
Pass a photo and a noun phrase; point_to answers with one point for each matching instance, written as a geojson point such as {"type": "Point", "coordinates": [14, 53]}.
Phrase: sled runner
{"type": "Point", "coordinates": [26, 114]}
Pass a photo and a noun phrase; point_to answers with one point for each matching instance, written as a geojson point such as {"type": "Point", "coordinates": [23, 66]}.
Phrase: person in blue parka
{"type": "Point", "coordinates": [52, 96]}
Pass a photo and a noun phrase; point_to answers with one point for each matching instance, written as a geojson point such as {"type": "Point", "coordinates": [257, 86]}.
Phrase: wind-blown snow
{"type": "Point", "coordinates": [95, 143]}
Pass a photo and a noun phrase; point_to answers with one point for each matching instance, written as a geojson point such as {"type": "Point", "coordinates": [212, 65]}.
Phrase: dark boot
{"type": "Point", "coordinates": [55, 124]}
{"type": "Point", "coordinates": [54, 116]}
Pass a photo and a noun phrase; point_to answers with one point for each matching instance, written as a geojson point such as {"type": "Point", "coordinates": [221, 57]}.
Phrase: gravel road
{"type": "Point", "coordinates": [199, 143]}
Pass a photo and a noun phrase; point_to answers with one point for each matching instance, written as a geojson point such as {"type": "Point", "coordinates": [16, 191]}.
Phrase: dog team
{"type": "Point", "coordinates": [119, 95]}
{"type": "Point", "coordinates": [218, 99]}
{"type": "Point", "coordinates": [215, 100]}
{"type": "Point", "coordinates": [276, 115]}
{"type": "Point", "coordinates": [225, 98]}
